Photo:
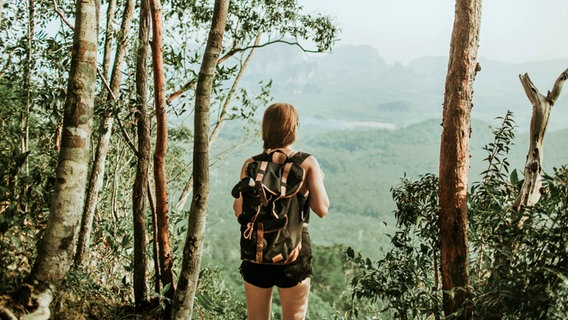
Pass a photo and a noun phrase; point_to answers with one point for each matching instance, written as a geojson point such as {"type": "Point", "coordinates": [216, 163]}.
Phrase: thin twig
{"type": "Point", "coordinates": [60, 14]}
{"type": "Point", "coordinates": [231, 53]}
{"type": "Point", "coordinates": [235, 50]}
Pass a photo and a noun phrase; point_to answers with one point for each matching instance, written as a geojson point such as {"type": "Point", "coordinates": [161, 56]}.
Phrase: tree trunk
{"type": "Point", "coordinates": [25, 115]}
{"type": "Point", "coordinates": [189, 274]}
{"type": "Point", "coordinates": [140, 187]}
{"type": "Point", "coordinates": [155, 249]}
{"type": "Point", "coordinates": [111, 9]}
{"type": "Point", "coordinates": [454, 158]}
{"type": "Point", "coordinates": [221, 119]}
{"type": "Point", "coordinates": [160, 181]}
{"type": "Point", "coordinates": [98, 169]}
{"type": "Point", "coordinates": [28, 86]}
{"type": "Point", "coordinates": [56, 247]}
{"type": "Point", "coordinates": [531, 189]}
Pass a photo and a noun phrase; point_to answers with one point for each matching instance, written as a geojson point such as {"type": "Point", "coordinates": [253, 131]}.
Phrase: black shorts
{"type": "Point", "coordinates": [282, 276]}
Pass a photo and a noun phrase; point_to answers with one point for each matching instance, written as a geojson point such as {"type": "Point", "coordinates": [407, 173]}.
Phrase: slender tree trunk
{"type": "Point", "coordinates": [28, 84]}
{"type": "Point", "coordinates": [221, 119]}
{"type": "Point", "coordinates": [155, 249]}
{"type": "Point", "coordinates": [98, 168]}
{"type": "Point", "coordinates": [140, 188]}
{"type": "Point", "coordinates": [56, 247]}
{"type": "Point", "coordinates": [189, 275]}
{"type": "Point", "coordinates": [111, 9]}
{"type": "Point", "coordinates": [25, 116]}
{"type": "Point", "coordinates": [165, 250]}
{"type": "Point", "coordinates": [436, 287]}
{"type": "Point", "coordinates": [454, 158]}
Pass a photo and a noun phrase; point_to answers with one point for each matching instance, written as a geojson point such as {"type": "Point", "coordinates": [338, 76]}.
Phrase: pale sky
{"type": "Point", "coordinates": [402, 30]}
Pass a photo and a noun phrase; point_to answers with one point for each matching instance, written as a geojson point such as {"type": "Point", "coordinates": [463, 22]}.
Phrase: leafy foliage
{"type": "Point", "coordinates": [26, 183]}
{"type": "Point", "coordinates": [405, 279]}
{"type": "Point", "coordinates": [35, 46]}
{"type": "Point", "coordinates": [216, 300]}
{"type": "Point", "coordinates": [518, 259]}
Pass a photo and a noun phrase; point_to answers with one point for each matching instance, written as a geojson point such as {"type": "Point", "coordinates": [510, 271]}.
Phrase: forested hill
{"type": "Point", "coordinates": [362, 164]}
{"type": "Point", "coordinates": [355, 83]}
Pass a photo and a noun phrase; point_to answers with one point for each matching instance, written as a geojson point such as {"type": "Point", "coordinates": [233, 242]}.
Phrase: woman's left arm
{"type": "Point", "coordinates": [238, 203]}
{"type": "Point", "coordinates": [319, 201]}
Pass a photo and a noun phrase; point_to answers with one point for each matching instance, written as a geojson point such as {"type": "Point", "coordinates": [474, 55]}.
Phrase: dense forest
{"type": "Point", "coordinates": [153, 122]}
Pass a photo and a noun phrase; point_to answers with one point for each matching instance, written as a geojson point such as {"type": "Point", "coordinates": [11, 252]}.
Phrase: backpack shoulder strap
{"type": "Point", "coordinates": [261, 157]}
{"type": "Point", "coordinates": [299, 157]}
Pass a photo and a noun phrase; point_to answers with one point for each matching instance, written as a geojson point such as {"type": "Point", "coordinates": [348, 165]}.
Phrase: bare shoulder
{"type": "Point", "coordinates": [310, 163]}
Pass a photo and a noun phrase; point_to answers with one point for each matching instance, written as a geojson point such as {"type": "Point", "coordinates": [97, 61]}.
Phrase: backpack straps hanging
{"type": "Point", "coordinates": [258, 182]}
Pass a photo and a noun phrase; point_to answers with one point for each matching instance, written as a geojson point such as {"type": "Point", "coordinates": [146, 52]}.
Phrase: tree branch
{"type": "Point", "coordinates": [126, 136]}
{"type": "Point", "coordinates": [234, 51]}
{"type": "Point", "coordinates": [61, 15]}
{"type": "Point", "coordinates": [183, 89]}
{"type": "Point", "coordinates": [555, 92]}
{"type": "Point", "coordinates": [256, 45]}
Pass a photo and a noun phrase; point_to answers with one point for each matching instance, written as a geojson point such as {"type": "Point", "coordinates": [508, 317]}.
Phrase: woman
{"type": "Point", "coordinates": [279, 126]}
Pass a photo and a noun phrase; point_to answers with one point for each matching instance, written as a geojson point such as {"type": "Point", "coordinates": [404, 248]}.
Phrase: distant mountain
{"type": "Point", "coordinates": [354, 83]}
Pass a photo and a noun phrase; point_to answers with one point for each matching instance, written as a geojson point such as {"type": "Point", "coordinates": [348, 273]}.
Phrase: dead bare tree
{"type": "Point", "coordinates": [532, 185]}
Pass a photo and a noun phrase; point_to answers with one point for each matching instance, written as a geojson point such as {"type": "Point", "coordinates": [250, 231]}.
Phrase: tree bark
{"type": "Point", "coordinates": [140, 187]}
{"type": "Point", "coordinates": [27, 101]}
{"type": "Point", "coordinates": [189, 274]}
{"type": "Point", "coordinates": [56, 247]}
{"type": "Point", "coordinates": [160, 181]}
{"type": "Point", "coordinates": [155, 249]}
{"type": "Point", "coordinates": [111, 9]}
{"type": "Point", "coordinates": [98, 167]}
{"type": "Point", "coordinates": [531, 189]}
{"type": "Point", "coordinates": [454, 158]}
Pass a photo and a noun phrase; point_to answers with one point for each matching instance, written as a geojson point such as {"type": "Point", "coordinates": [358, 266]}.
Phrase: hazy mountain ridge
{"type": "Point", "coordinates": [355, 83]}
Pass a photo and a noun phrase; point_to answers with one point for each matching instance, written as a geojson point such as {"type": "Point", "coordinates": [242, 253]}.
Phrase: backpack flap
{"type": "Point", "coordinates": [280, 180]}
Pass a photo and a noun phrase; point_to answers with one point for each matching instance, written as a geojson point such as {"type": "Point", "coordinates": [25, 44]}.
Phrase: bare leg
{"type": "Point", "coordinates": [295, 300]}
{"type": "Point", "coordinates": [258, 302]}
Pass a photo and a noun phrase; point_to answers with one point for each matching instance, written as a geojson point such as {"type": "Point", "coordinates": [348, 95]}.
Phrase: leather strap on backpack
{"type": "Point", "coordinates": [284, 179]}
{"type": "Point", "coordinates": [258, 182]}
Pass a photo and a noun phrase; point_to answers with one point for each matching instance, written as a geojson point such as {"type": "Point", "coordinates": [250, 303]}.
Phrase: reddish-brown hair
{"type": "Point", "coordinates": [279, 125]}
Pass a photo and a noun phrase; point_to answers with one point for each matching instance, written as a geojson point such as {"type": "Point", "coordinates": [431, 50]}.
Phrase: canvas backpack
{"type": "Point", "coordinates": [273, 210]}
